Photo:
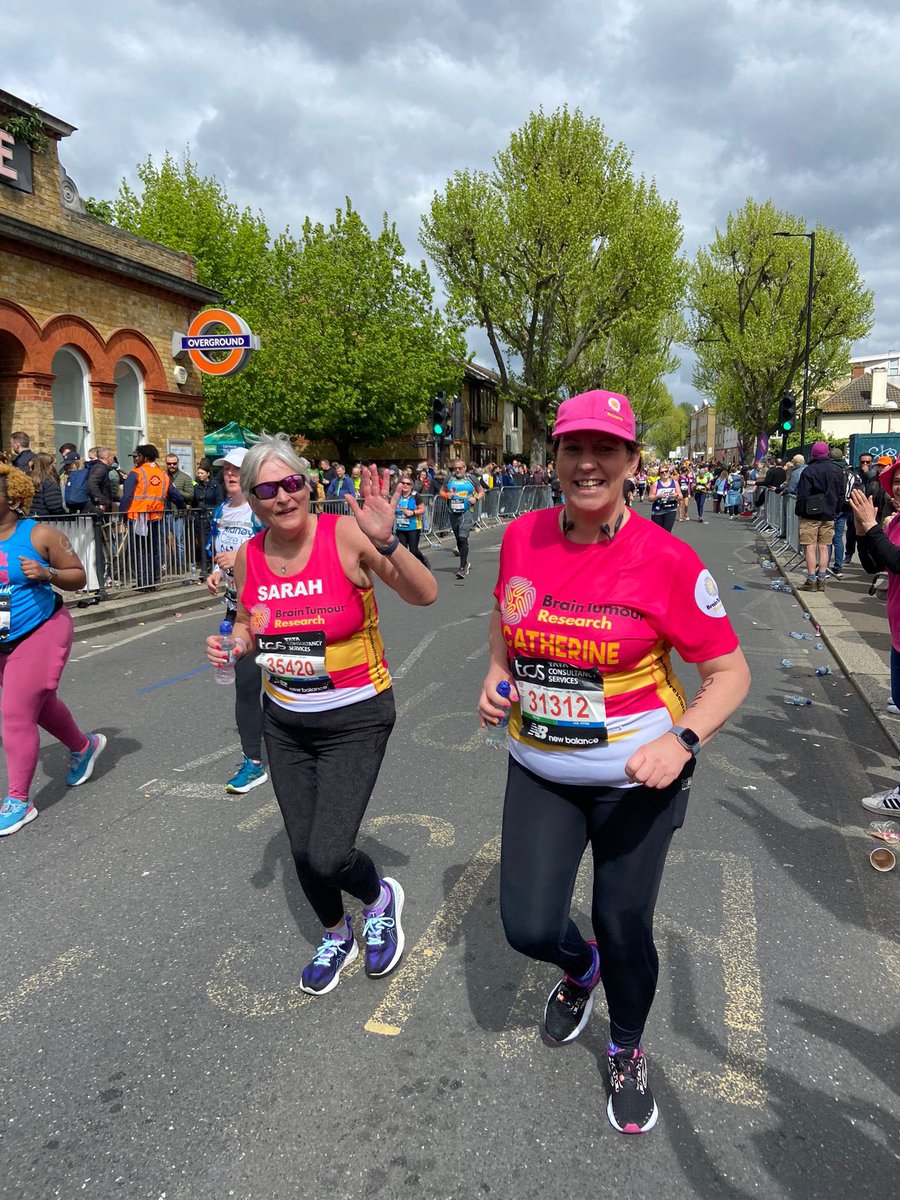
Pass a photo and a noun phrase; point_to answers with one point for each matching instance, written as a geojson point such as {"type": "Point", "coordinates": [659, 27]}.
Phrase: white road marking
{"type": "Point", "coordinates": [155, 628]}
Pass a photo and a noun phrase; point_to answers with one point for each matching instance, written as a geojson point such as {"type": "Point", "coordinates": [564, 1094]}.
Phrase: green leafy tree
{"type": "Point", "coordinates": [352, 346]}
{"type": "Point", "coordinates": [670, 430]}
{"type": "Point", "coordinates": [356, 346]}
{"type": "Point", "coordinates": [748, 295]}
{"type": "Point", "coordinates": [552, 254]}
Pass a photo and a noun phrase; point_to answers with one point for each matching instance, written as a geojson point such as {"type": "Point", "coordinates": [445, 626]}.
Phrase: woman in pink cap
{"type": "Point", "coordinates": [591, 599]}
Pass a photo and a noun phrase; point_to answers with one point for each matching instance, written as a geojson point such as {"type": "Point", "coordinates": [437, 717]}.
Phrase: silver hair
{"type": "Point", "coordinates": [270, 445]}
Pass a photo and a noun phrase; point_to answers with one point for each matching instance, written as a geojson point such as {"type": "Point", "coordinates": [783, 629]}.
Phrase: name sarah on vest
{"type": "Point", "coordinates": [287, 590]}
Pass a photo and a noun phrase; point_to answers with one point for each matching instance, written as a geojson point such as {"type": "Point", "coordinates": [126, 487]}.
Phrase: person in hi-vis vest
{"type": "Point", "coordinates": [145, 492]}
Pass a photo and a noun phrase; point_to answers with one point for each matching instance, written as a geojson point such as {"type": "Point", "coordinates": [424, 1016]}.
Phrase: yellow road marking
{"type": "Point", "coordinates": [740, 1080]}
{"type": "Point", "coordinates": [393, 1012]}
{"type": "Point", "coordinates": [440, 832]}
{"type": "Point", "coordinates": [259, 817]}
{"type": "Point", "coordinates": [43, 979]}
{"type": "Point", "coordinates": [235, 997]}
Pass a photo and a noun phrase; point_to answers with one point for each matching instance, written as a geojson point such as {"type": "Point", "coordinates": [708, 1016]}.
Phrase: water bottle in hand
{"type": "Point", "coordinates": [495, 735]}
{"type": "Point", "coordinates": [225, 673]}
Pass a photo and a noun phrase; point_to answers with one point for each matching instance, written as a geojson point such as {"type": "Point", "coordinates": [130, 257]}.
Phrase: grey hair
{"type": "Point", "coordinates": [270, 445]}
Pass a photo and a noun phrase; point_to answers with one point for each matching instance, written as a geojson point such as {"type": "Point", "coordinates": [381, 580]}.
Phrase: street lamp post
{"type": "Point", "coordinates": [809, 299]}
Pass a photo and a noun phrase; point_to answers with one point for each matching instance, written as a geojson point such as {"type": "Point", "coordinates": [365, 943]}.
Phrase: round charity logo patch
{"type": "Point", "coordinates": [518, 598]}
{"type": "Point", "coordinates": [706, 593]}
{"type": "Point", "coordinates": [260, 616]}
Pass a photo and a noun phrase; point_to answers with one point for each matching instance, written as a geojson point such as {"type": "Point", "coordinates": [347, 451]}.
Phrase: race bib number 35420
{"type": "Point", "coordinates": [295, 662]}
{"type": "Point", "coordinates": [561, 705]}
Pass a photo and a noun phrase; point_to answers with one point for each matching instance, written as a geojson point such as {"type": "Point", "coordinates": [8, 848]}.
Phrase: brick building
{"type": "Point", "coordinates": [87, 314]}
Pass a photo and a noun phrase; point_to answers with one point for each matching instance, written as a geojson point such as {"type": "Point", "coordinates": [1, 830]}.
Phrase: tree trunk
{"type": "Point", "coordinates": [536, 413]}
{"type": "Point", "coordinates": [344, 450]}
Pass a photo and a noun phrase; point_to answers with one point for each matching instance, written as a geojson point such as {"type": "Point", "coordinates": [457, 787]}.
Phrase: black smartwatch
{"type": "Point", "coordinates": [687, 738]}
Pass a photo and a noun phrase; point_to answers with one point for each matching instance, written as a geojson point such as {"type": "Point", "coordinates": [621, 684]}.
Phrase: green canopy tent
{"type": "Point", "coordinates": [222, 440]}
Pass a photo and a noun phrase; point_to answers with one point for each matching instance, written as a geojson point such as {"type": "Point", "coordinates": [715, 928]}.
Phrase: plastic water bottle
{"type": "Point", "coordinates": [225, 673]}
{"type": "Point", "coordinates": [798, 701]}
{"type": "Point", "coordinates": [767, 564]}
{"type": "Point", "coordinates": [800, 637]}
{"type": "Point", "coordinates": [495, 735]}
{"type": "Point", "coordinates": [826, 670]}
{"type": "Point", "coordinates": [787, 662]}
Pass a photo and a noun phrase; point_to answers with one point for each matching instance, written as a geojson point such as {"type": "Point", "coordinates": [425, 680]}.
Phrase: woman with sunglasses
{"type": "Point", "coordinates": [666, 496]}
{"type": "Point", "coordinates": [233, 523]}
{"type": "Point", "coordinates": [307, 615]}
{"type": "Point", "coordinates": [408, 518]}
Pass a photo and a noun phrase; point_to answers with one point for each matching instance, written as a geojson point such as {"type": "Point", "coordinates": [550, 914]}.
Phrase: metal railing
{"type": "Point", "coordinates": [120, 556]}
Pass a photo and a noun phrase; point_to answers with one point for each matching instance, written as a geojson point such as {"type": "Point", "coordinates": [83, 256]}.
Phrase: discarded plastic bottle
{"type": "Point", "coordinates": [767, 564]}
{"type": "Point", "coordinates": [820, 645]}
{"type": "Point", "coordinates": [800, 637]}
{"type": "Point", "coordinates": [798, 701]}
{"type": "Point", "coordinates": [807, 617]}
{"type": "Point", "coordinates": [225, 673]}
{"type": "Point", "coordinates": [826, 670]}
{"type": "Point", "coordinates": [787, 662]}
{"type": "Point", "coordinates": [495, 735]}
{"type": "Point", "coordinates": [781, 585]}
{"type": "Point", "coordinates": [737, 588]}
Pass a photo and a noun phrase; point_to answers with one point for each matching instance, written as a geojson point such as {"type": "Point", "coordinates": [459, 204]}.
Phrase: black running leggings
{"type": "Point", "coordinates": [546, 829]}
{"type": "Point", "coordinates": [461, 524]}
{"type": "Point", "coordinates": [324, 766]}
{"type": "Point", "coordinates": [410, 539]}
{"type": "Point", "coordinates": [666, 518]}
{"type": "Point", "coordinates": [247, 707]}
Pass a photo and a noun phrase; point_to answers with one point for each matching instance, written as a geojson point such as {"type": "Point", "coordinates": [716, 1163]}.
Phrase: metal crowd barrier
{"type": "Point", "coordinates": [781, 522]}
{"type": "Point", "coordinates": [123, 555]}
{"type": "Point", "coordinates": [120, 556]}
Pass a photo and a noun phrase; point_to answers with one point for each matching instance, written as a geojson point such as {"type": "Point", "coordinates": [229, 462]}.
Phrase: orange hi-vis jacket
{"type": "Point", "coordinates": [149, 492]}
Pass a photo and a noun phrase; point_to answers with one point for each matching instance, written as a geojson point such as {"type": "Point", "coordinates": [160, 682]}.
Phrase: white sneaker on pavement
{"type": "Point", "coordinates": [883, 802]}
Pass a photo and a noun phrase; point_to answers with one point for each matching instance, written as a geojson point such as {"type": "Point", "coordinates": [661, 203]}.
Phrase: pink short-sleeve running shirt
{"type": "Point", "coordinates": [589, 630]}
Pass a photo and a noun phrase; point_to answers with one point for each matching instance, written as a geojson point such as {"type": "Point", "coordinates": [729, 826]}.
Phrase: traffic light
{"type": "Point", "coordinates": [787, 411]}
{"type": "Point", "coordinates": [439, 415]}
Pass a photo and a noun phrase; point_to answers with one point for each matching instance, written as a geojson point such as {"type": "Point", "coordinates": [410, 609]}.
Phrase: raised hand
{"type": "Point", "coordinates": [372, 507]}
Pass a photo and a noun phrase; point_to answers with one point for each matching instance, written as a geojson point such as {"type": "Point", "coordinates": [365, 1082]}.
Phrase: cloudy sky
{"type": "Point", "coordinates": [294, 104]}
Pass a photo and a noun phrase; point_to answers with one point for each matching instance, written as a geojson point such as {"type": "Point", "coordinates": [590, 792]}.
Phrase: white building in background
{"type": "Point", "coordinates": [869, 403]}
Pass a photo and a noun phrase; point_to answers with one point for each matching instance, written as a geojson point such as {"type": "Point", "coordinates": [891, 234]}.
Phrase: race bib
{"type": "Point", "coordinates": [457, 504]}
{"type": "Point", "coordinates": [5, 615]}
{"type": "Point", "coordinates": [404, 517]}
{"type": "Point", "coordinates": [561, 705]}
{"type": "Point", "coordinates": [295, 661]}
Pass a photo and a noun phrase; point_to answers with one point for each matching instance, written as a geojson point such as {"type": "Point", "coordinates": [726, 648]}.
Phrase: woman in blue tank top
{"type": "Point", "coordinates": [35, 640]}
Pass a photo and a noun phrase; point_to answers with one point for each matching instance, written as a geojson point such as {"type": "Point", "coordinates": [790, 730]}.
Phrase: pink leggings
{"type": "Point", "coordinates": [29, 677]}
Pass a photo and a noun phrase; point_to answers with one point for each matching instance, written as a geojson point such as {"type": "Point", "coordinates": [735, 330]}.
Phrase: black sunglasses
{"type": "Point", "coordinates": [290, 483]}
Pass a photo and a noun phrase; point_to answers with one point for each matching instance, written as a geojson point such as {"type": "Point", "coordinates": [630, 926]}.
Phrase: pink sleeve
{"type": "Point", "coordinates": [696, 622]}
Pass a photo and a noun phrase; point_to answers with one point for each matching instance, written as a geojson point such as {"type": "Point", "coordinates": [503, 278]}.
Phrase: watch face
{"type": "Point", "coordinates": [688, 738]}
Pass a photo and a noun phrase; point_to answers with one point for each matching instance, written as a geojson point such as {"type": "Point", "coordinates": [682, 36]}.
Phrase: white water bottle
{"type": "Point", "coordinates": [225, 673]}
{"type": "Point", "coordinates": [495, 735]}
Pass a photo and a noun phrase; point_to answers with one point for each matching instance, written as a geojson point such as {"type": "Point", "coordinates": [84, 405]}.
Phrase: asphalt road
{"type": "Point", "coordinates": [154, 1042]}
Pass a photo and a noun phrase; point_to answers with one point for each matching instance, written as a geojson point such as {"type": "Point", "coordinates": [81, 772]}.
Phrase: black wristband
{"type": "Point", "coordinates": [389, 549]}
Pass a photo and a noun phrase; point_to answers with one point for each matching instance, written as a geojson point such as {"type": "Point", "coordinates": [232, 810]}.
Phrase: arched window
{"type": "Point", "coordinates": [71, 404]}
{"type": "Point", "coordinates": [129, 407]}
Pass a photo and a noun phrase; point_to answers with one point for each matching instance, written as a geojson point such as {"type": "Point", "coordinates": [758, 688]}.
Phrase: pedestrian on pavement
{"type": "Point", "coordinates": [665, 497]}
{"type": "Point", "coordinates": [48, 501]}
{"type": "Point", "coordinates": [21, 451]}
{"type": "Point", "coordinates": [602, 739]}
{"type": "Point", "coordinates": [233, 523]}
{"type": "Point", "coordinates": [820, 496]}
{"type": "Point", "coordinates": [35, 640]}
{"type": "Point", "coordinates": [879, 550]}
{"type": "Point", "coordinates": [307, 610]}
{"type": "Point", "coordinates": [146, 491]}
{"type": "Point", "coordinates": [462, 492]}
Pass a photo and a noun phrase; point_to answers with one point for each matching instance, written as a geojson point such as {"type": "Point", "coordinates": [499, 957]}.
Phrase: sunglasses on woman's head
{"type": "Point", "coordinates": [290, 483]}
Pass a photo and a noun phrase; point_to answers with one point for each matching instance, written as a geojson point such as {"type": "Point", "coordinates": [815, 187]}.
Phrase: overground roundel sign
{"type": "Point", "coordinates": [218, 342]}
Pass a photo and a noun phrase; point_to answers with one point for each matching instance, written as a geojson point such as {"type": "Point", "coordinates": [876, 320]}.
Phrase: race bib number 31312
{"type": "Point", "coordinates": [561, 705]}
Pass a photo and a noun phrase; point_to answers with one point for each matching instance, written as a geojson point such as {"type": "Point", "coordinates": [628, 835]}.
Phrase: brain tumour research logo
{"type": "Point", "coordinates": [706, 594]}
{"type": "Point", "coordinates": [518, 598]}
{"type": "Point", "coordinates": [260, 616]}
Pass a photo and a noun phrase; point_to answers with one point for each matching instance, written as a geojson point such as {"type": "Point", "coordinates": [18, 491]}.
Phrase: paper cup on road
{"type": "Point", "coordinates": [882, 859]}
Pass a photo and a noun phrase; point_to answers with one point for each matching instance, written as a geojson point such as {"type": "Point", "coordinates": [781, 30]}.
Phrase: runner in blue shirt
{"type": "Point", "coordinates": [462, 492]}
